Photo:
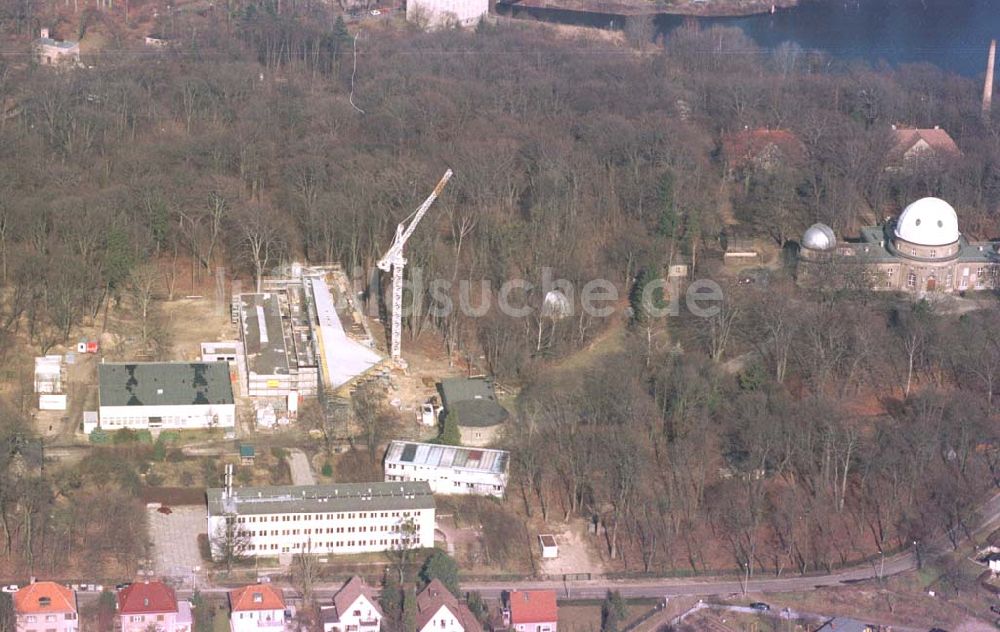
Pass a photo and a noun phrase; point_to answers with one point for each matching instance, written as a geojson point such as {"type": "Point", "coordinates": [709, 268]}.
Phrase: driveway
{"type": "Point", "coordinates": [298, 463]}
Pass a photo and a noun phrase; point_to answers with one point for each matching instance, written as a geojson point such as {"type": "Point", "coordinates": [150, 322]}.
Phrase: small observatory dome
{"type": "Point", "coordinates": [819, 237]}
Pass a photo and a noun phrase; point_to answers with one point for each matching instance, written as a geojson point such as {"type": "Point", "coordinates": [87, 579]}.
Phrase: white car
{"type": "Point", "coordinates": [10, 589]}
{"type": "Point", "coordinates": [375, 12]}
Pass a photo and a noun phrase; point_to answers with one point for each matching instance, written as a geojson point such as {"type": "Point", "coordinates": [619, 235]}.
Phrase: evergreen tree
{"type": "Point", "coordinates": [439, 565]}
{"type": "Point", "coordinates": [613, 612]}
{"type": "Point", "coordinates": [449, 432]}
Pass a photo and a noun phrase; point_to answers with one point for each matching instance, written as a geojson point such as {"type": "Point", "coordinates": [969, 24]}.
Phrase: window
{"type": "Point", "coordinates": [911, 280]}
{"type": "Point", "coordinates": [933, 253]}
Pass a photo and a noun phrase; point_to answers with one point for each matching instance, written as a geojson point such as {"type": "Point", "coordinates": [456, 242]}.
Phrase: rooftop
{"type": "Point", "coordinates": [264, 334]}
{"type": "Point", "coordinates": [44, 597]}
{"type": "Point", "coordinates": [429, 454]}
{"type": "Point", "coordinates": [256, 597]}
{"type": "Point", "coordinates": [533, 606]}
{"type": "Point", "coordinates": [473, 401]}
{"type": "Point", "coordinates": [144, 598]}
{"type": "Point", "coordinates": [48, 41]}
{"type": "Point", "coordinates": [354, 587]}
{"type": "Point", "coordinates": [322, 498]}
{"type": "Point", "coordinates": [938, 140]}
{"type": "Point", "coordinates": [164, 384]}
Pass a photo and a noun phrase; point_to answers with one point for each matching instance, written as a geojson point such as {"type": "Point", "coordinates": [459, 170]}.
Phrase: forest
{"type": "Point", "coordinates": [267, 133]}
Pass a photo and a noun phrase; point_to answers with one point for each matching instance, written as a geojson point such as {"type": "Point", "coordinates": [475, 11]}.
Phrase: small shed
{"type": "Point", "coordinates": [247, 454]}
{"type": "Point", "coordinates": [550, 550]}
{"type": "Point", "coordinates": [741, 251]}
{"type": "Point", "coordinates": [89, 421]}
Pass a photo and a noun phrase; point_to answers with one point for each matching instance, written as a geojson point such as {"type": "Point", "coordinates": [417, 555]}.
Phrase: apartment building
{"type": "Point", "coordinates": [323, 519]}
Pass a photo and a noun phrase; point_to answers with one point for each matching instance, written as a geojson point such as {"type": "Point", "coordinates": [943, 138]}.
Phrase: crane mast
{"type": "Point", "coordinates": [394, 259]}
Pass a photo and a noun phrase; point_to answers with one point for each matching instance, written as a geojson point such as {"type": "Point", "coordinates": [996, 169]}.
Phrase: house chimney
{"type": "Point", "coordinates": [988, 84]}
{"type": "Point", "coordinates": [44, 33]}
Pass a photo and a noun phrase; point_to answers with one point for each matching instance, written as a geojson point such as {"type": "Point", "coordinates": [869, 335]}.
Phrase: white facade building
{"type": "Point", "coordinates": [355, 609]}
{"type": "Point", "coordinates": [52, 52]}
{"type": "Point", "coordinates": [256, 608]}
{"type": "Point", "coordinates": [449, 469]}
{"type": "Point", "coordinates": [174, 395]}
{"type": "Point", "coordinates": [324, 519]}
{"type": "Point", "coordinates": [440, 13]}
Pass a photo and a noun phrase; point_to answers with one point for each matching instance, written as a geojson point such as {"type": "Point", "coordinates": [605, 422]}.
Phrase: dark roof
{"type": "Point", "coordinates": [164, 383]}
{"type": "Point", "coordinates": [844, 624]}
{"type": "Point", "coordinates": [153, 597]}
{"type": "Point", "coordinates": [473, 401]}
{"type": "Point", "coordinates": [322, 498]}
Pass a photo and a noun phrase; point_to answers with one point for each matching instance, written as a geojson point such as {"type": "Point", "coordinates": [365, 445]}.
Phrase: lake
{"type": "Point", "coordinates": [952, 34]}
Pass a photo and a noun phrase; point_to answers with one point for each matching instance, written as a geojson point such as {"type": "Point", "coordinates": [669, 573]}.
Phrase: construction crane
{"type": "Point", "coordinates": [394, 259]}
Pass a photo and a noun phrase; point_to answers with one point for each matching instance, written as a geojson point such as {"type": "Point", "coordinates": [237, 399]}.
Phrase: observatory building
{"type": "Point", "coordinates": [921, 251]}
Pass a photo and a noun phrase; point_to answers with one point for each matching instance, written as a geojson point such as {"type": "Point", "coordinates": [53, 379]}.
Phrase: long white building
{"type": "Point", "coordinates": [323, 519]}
{"type": "Point", "coordinates": [449, 469]}
{"type": "Point", "coordinates": [176, 395]}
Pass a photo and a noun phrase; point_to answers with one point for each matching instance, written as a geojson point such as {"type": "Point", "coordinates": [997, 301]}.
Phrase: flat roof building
{"type": "Point", "coordinates": [325, 519]}
{"type": "Point", "coordinates": [449, 469]}
{"type": "Point", "coordinates": [142, 395]}
{"type": "Point", "coordinates": [278, 347]}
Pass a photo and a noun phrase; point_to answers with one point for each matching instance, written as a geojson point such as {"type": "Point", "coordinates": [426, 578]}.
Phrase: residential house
{"type": "Point", "coordinates": [45, 607]}
{"type": "Point", "coordinates": [325, 519]}
{"type": "Point", "coordinates": [532, 611]}
{"type": "Point", "coordinates": [256, 608]}
{"type": "Point", "coordinates": [355, 609]}
{"type": "Point", "coordinates": [915, 145]}
{"type": "Point", "coordinates": [439, 611]}
{"type": "Point", "coordinates": [473, 405]}
{"type": "Point", "coordinates": [52, 52]}
{"type": "Point", "coordinates": [161, 395]}
{"type": "Point", "coordinates": [764, 149]}
{"type": "Point", "coordinates": [152, 604]}
{"type": "Point", "coordinates": [449, 469]}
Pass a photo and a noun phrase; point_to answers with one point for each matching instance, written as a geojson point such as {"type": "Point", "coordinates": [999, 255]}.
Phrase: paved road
{"type": "Point", "coordinates": [671, 587]}
{"type": "Point", "coordinates": [298, 463]}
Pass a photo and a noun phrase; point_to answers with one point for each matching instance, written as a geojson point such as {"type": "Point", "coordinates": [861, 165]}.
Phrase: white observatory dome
{"type": "Point", "coordinates": [928, 222]}
{"type": "Point", "coordinates": [819, 237]}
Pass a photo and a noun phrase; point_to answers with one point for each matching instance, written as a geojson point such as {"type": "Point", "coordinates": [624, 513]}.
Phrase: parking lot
{"type": "Point", "coordinates": [175, 540]}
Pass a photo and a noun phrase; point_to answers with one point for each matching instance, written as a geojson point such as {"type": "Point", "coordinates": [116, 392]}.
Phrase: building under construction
{"type": "Point", "coordinates": [293, 337]}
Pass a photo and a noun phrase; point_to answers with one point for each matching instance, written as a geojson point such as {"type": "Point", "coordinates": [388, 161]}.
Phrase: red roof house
{"type": "Point", "coordinates": [762, 148]}
{"type": "Point", "coordinates": [438, 610]}
{"type": "Point", "coordinates": [534, 610]}
{"type": "Point", "coordinates": [913, 143]}
{"type": "Point", "coordinates": [142, 604]}
{"type": "Point", "coordinates": [255, 606]}
{"type": "Point", "coordinates": [45, 605]}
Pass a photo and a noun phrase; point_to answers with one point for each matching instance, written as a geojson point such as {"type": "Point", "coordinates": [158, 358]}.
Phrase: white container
{"type": "Point", "coordinates": [52, 402]}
